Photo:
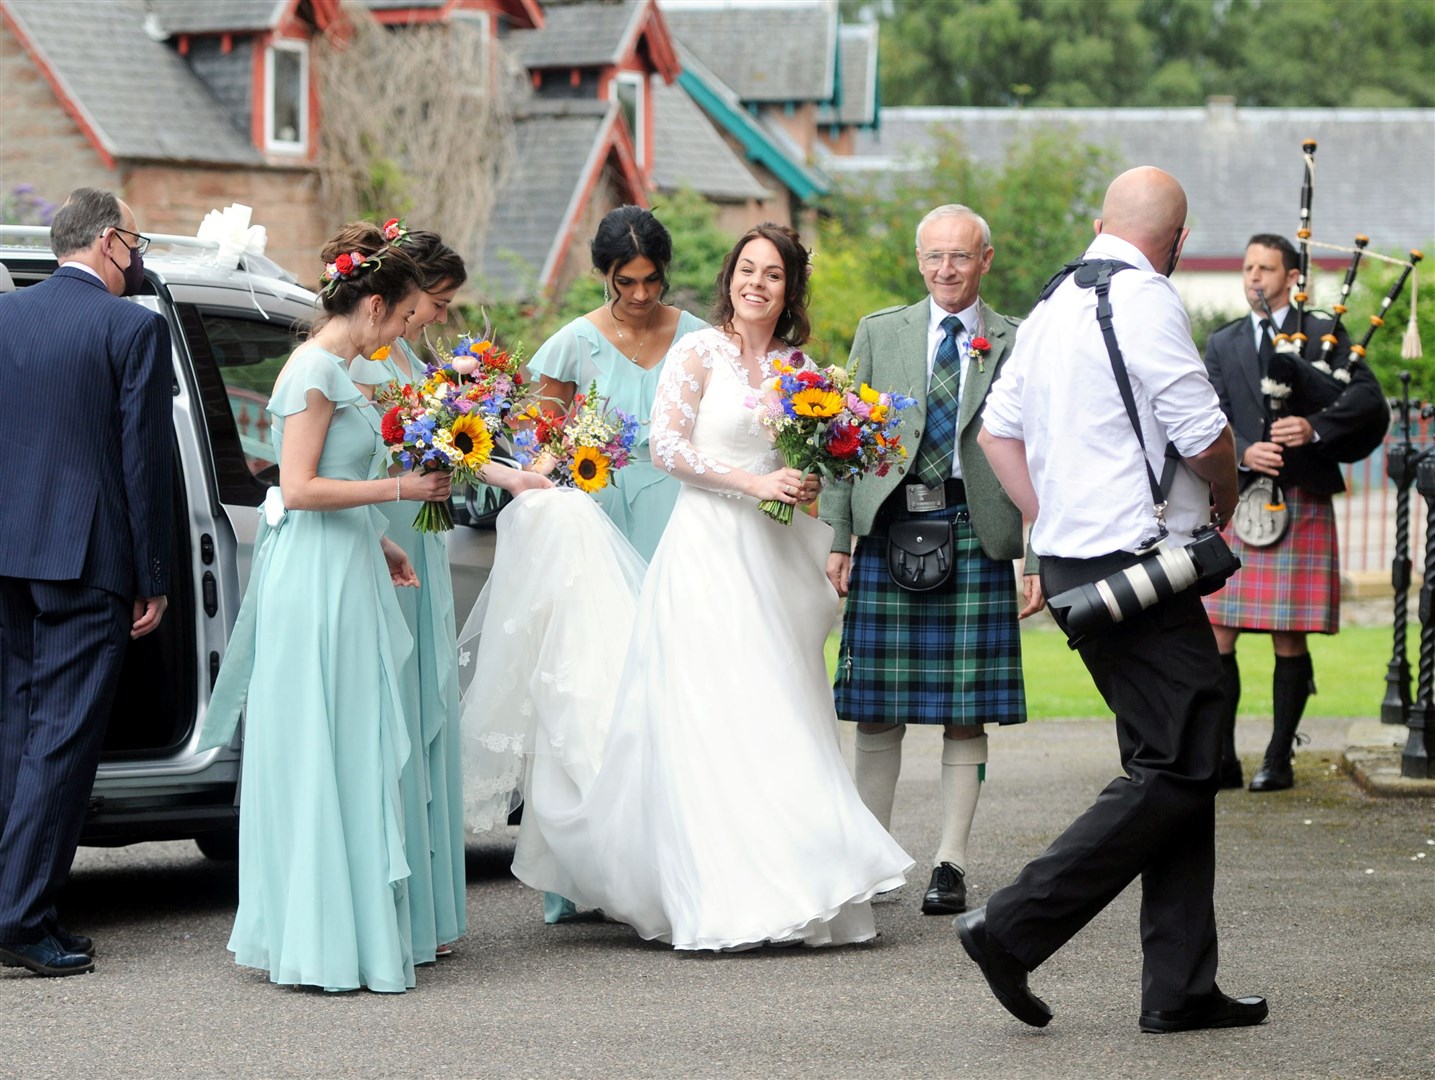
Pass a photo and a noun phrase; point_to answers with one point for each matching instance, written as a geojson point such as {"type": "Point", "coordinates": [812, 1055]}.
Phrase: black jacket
{"type": "Point", "coordinates": [1343, 425]}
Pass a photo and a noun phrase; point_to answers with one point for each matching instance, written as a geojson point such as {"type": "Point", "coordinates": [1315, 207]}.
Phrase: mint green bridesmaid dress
{"type": "Point", "coordinates": [432, 781]}
{"type": "Point", "coordinates": [640, 498]}
{"type": "Point", "coordinates": [317, 652]}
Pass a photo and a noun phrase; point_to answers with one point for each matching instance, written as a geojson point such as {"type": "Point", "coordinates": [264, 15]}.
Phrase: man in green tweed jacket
{"type": "Point", "coordinates": [952, 655]}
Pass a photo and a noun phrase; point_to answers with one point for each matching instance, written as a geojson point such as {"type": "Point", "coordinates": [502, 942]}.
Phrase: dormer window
{"type": "Point", "coordinates": [286, 97]}
{"type": "Point", "coordinates": [627, 90]}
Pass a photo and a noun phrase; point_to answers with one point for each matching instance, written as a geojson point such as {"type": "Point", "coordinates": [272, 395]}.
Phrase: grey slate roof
{"type": "Point", "coordinates": [1241, 168]}
{"type": "Point", "coordinates": [578, 35]}
{"type": "Point", "coordinates": [778, 52]}
{"type": "Point", "coordinates": [857, 59]}
{"type": "Point", "coordinates": [689, 152]}
{"type": "Point", "coordinates": [216, 16]}
{"type": "Point", "coordinates": [167, 114]}
{"type": "Point", "coordinates": [554, 145]}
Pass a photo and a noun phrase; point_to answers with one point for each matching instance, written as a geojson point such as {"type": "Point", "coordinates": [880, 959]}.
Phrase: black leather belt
{"type": "Point", "coordinates": [894, 507]}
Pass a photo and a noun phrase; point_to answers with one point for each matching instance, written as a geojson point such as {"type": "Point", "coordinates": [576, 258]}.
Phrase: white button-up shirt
{"type": "Point", "coordinates": [1057, 394]}
{"type": "Point", "coordinates": [935, 334]}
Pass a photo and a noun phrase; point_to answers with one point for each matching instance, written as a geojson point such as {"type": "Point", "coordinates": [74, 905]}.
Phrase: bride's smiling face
{"type": "Point", "coordinates": [759, 284]}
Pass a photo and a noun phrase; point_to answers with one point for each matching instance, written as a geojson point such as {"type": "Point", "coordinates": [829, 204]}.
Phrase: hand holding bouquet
{"type": "Point", "coordinates": [448, 420]}
{"type": "Point", "coordinates": [583, 445]}
{"type": "Point", "coordinates": [823, 421]}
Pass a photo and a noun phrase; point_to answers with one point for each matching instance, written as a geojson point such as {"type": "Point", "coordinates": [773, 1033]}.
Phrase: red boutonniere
{"type": "Point", "coordinates": [980, 346]}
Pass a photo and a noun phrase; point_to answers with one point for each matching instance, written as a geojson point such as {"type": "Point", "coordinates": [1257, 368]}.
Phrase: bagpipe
{"type": "Point", "coordinates": [1306, 382]}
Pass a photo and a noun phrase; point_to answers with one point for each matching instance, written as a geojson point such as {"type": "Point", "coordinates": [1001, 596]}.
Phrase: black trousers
{"type": "Point", "coordinates": [61, 649]}
{"type": "Point", "coordinates": [1160, 674]}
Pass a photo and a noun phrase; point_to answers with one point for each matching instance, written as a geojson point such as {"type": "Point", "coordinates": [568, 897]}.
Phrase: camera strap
{"type": "Point", "coordinates": [1096, 274]}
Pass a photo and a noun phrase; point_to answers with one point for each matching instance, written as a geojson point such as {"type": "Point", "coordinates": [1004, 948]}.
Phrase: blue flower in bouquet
{"type": "Point", "coordinates": [525, 446]}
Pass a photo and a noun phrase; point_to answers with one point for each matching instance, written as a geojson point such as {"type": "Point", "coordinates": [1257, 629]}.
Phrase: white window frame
{"type": "Point", "coordinates": [271, 141]}
{"type": "Point", "coordinates": [639, 82]}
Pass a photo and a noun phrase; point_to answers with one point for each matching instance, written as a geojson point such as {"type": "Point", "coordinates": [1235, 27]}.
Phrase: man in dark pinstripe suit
{"type": "Point", "coordinates": [84, 560]}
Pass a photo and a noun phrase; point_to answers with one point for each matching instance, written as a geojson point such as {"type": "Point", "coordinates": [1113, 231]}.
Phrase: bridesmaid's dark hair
{"type": "Point", "coordinates": [386, 271]}
{"type": "Point", "coordinates": [793, 326]}
{"type": "Point", "coordinates": [440, 267]}
{"type": "Point", "coordinates": [628, 233]}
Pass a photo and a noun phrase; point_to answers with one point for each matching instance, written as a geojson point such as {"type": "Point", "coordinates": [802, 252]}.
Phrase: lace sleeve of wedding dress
{"type": "Point", "coordinates": [685, 377]}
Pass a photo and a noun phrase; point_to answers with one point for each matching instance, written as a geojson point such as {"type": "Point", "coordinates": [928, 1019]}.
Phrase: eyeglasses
{"type": "Point", "coordinates": [933, 260]}
{"type": "Point", "coordinates": [141, 244]}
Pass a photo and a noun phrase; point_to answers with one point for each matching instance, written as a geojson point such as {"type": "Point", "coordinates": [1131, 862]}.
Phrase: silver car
{"type": "Point", "coordinates": [232, 331]}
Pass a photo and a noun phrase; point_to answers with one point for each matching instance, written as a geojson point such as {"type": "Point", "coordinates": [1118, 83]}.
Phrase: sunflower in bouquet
{"type": "Point", "coordinates": [581, 446]}
{"type": "Point", "coordinates": [823, 420]}
{"type": "Point", "coordinates": [449, 419]}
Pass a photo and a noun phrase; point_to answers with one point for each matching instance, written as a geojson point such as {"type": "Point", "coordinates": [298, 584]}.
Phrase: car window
{"type": "Point", "coordinates": [237, 358]}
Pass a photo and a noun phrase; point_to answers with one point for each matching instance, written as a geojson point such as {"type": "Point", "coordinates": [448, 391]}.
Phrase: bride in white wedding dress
{"type": "Point", "coordinates": [672, 733]}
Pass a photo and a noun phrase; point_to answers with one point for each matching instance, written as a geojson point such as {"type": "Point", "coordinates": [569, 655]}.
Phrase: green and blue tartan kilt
{"type": "Point", "coordinates": [951, 656]}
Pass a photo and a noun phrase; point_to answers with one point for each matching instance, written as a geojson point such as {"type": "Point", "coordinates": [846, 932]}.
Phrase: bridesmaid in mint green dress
{"type": "Point", "coordinates": [432, 781]}
{"type": "Point", "coordinates": [315, 657]}
{"type": "Point", "coordinates": [621, 346]}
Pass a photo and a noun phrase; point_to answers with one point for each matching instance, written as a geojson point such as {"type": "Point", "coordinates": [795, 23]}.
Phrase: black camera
{"type": "Point", "coordinates": [1159, 574]}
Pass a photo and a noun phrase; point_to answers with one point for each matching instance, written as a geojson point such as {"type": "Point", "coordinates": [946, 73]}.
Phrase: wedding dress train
{"type": "Point", "coordinates": [672, 732]}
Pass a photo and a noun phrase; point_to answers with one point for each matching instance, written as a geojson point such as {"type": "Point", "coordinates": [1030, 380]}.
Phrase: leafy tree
{"type": "Point", "coordinates": [1039, 202]}
{"type": "Point", "coordinates": [1154, 52]}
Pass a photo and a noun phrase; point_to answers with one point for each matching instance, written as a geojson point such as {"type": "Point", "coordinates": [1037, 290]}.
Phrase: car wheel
{"type": "Point", "coordinates": [222, 846]}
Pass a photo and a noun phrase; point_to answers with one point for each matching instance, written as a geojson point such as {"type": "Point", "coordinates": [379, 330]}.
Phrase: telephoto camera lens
{"type": "Point", "coordinates": [1161, 574]}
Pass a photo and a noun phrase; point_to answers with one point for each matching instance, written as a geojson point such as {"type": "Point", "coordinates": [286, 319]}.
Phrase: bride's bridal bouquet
{"type": "Point", "coordinates": [823, 420]}
{"type": "Point", "coordinates": [448, 419]}
{"type": "Point", "coordinates": [582, 446]}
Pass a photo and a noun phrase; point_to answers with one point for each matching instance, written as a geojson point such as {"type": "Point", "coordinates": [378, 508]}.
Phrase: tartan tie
{"type": "Point", "coordinates": [939, 442]}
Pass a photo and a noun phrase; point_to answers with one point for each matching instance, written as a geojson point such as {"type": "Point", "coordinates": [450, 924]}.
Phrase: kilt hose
{"type": "Point", "coordinates": [950, 656]}
{"type": "Point", "coordinates": [1293, 585]}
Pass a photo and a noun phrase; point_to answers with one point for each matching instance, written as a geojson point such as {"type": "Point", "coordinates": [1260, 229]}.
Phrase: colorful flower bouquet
{"type": "Point", "coordinates": [585, 444]}
{"type": "Point", "coordinates": [449, 420]}
{"type": "Point", "coordinates": [823, 421]}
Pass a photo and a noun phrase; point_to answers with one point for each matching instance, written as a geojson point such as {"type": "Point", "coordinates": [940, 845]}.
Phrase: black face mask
{"type": "Point", "coordinates": [133, 274]}
{"type": "Point", "coordinates": [1172, 259]}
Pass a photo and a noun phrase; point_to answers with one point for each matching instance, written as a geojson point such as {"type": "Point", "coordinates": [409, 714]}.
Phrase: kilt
{"type": "Point", "coordinates": [951, 656]}
{"type": "Point", "coordinates": [1293, 585]}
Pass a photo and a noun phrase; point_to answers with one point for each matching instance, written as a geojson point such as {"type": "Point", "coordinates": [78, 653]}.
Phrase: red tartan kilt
{"type": "Point", "coordinates": [1293, 585]}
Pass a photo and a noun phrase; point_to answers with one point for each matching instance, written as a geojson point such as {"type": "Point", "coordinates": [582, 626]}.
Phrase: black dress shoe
{"type": "Point", "coordinates": [1274, 776]}
{"type": "Point", "coordinates": [1004, 972]}
{"type": "Point", "coordinates": [947, 892]}
{"type": "Point", "coordinates": [1215, 1010]}
{"type": "Point", "coordinates": [1231, 775]}
{"type": "Point", "coordinates": [46, 957]}
{"type": "Point", "coordinates": [74, 943]}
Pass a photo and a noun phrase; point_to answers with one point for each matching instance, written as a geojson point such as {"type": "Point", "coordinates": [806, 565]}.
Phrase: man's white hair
{"type": "Point", "coordinates": [955, 210]}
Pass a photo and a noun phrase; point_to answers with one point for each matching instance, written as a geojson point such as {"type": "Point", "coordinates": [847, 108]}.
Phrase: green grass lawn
{"type": "Point", "coordinates": [1349, 673]}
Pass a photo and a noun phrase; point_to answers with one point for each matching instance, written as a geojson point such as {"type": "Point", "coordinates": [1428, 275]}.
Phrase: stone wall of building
{"type": "Point", "coordinates": [169, 198]}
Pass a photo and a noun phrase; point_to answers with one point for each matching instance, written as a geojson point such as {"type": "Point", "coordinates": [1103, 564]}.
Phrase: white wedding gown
{"type": "Point", "coordinates": [673, 733]}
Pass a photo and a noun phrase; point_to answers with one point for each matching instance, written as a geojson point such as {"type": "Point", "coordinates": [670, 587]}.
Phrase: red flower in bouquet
{"type": "Point", "coordinates": [811, 378]}
{"type": "Point", "coordinates": [844, 440]}
{"type": "Point", "coordinates": [391, 427]}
